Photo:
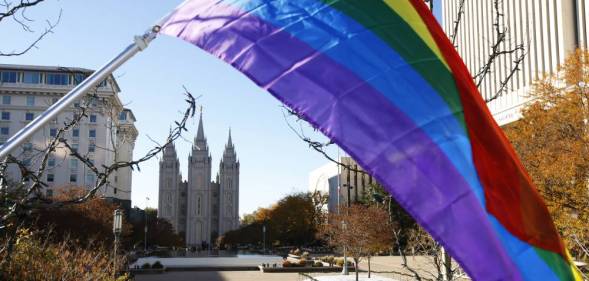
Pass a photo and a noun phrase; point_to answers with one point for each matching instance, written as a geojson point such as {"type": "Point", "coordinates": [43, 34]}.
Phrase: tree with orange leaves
{"type": "Point", "coordinates": [552, 140]}
{"type": "Point", "coordinates": [363, 230]}
{"type": "Point", "coordinates": [87, 223]}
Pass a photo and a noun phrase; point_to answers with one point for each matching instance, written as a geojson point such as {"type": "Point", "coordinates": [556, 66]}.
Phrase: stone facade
{"type": "Point", "coordinates": [198, 208]}
{"type": "Point", "coordinates": [107, 135]}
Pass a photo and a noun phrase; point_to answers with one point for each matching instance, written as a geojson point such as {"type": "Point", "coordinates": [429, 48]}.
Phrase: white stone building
{"type": "Point", "coordinates": [108, 134]}
{"type": "Point", "coordinates": [340, 183]}
{"type": "Point", "coordinates": [549, 30]}
{"type": "Point", "coordinates": [199, 208]}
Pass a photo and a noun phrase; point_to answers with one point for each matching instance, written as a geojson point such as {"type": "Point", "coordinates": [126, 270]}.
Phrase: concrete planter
{"type": "Point", "coordinates": [147, 270]}
{"type": "Point", "coordinates": [301, 269]}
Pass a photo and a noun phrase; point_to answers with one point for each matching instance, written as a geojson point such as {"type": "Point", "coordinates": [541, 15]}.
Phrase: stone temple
{"type": "Point", "coordinates": [200, 209]}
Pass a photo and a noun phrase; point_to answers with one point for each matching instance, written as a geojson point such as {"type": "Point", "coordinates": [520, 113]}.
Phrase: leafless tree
{"type": "Point", "coordinates": [500, 48]}
{"type": "Point", "coordinates": [19, 200]}
{"type": "Point", "coordinates": [17, 12]}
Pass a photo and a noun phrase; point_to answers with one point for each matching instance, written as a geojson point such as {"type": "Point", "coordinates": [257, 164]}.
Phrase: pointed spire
{"type": "Point", "coordinates": [229, 142]}
{"type": "Point", "coordinates": [200, 134]}
{"type": "Point", "coordinates": [170, 150]}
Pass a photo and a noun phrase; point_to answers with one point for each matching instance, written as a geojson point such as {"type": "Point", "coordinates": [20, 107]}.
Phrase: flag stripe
{"type": "Point", "coordinates": [411, 17]}
{"type": "Point", "coordinates": [399, 36]}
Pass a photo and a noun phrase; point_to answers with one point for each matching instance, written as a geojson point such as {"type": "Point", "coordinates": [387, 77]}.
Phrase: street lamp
{"type": "Point", "coordinates": [116, 229]}
{"type": "Point", "coordinates": [145, 229]}
{"type": "Point", "coordinates": [264, 237]}
{"type": "Point", "coordinates": [345, 267]}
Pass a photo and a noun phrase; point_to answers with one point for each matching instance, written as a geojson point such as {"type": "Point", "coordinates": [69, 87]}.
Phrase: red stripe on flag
{"type": "Point", "coordinates": [509, 192]}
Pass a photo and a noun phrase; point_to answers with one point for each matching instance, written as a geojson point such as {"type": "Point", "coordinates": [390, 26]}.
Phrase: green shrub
{"type": "Point", "coordinates": [146, 266]}
{"type": "Point", "coordinates": [318, 264]}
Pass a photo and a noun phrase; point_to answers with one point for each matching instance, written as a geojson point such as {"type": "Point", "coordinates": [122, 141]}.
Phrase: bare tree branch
{"type": "Point", "coordinates": [515, 68]}
{"type": "Point", "coordinates": [457, 22]}
{"type": "Point", "coordinates": [13, 10]}
{"type": "Point", "coordinates": [316, 145]}
{"type": "Point", "coordinates": [32, 199]}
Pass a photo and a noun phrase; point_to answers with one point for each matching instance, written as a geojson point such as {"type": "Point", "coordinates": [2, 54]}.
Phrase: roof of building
{"type": "Point", "coordinates": [44, 68]}
{"type": "Point", "coordinates": [131, 115]}
{"type": "Point", "coordinates": [23, 67]}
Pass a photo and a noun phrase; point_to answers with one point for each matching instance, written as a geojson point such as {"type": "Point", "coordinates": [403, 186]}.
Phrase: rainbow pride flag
{"type": "Point", "coordinates": [381, 79]}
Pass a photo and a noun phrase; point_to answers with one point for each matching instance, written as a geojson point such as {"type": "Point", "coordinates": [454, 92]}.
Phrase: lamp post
{"type": "Point", "coordinates": [116, 229]}
{"type": "Point", "coordinates": [264, 237]}
{"type": "Point", "coordinates": [345, 267]}
{"type": "Point", "coordinates": [145, 229]}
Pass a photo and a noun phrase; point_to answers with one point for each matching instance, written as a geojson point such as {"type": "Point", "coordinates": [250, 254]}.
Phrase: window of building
{"type": "Point", "coordinates": [91, 147]}
{"type": "Point", "coordinates": [29, 116]}
{"type": "Point", "coordinates": [50, 177]}
{"type": "Point", "coordinates": [79, 77]}
{"type": "Point", "coordinates": [198, 207]}
{"type": "Point", "coordinates": [90, 178]}
{"type": "Point", "coordinates": [115, 190]}
{"type": "Point", "coordinates": [6, 99]}
{"type": "Point", "coordinates": [75, 147]}
{"type": "Point", "coordinates": [73, 163]}
{"type": "Point", "coordinates": [57, 79]}
{"type": "Point", "coordinates": [73, 178]}
{"type": "Point", "coordinates": [102, 84]}
{"type": "Point", "coordinates": [92, 118]}
{"type": "Point", "coordinates": [9, 76]}
{"type": "Point", "coordinates": [92, 133]}
{"type": "Point", "coordinates": [52, 132]}
{"type": "Point", "coordinates": [116, 178]}
{"type": "Point", "coordinates": [4, 131]}
{"type": "Point", "coordinates": [27, 146]}
{"type": "Point", "coordinates": [30, 101]}
{"type": "Point", "coordinates": [30, 77]}
{"type": "Point", "coordinates": [123, 116]}
{"type": "Point", "coordinates": [49, 193]}
{"type": "Point", "coordinates": [26, 162]}
{"type": "Point", "coordinates": [51, 162]}
{"type": "Point", "coordinates": [5, 115]}
{"type": "Point", "coordinates": [54, 100]}
{"type": "Point", "coordinates": [76, 133]}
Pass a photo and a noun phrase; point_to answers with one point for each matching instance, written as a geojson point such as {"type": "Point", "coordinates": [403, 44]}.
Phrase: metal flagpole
{"type": "Point", "coordinates": [139, 44]}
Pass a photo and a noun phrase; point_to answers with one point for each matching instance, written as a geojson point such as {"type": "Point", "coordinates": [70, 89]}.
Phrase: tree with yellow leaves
{"type": "Point", "coordinates": [552, 140]}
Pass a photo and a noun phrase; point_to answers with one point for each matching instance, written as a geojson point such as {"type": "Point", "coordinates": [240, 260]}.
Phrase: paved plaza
{"type": "Point", "coordinates": [219, 276]}
{"type": "Point", "coordinates": [389, 267]}
{"type": "Point", "coordinates": [236, 261]}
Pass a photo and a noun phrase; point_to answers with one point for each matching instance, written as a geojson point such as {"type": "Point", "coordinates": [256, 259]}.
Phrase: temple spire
{"type": "Point", "coordinates": [200, 134]}
{"type": "Point", "coordinates": [229, 142]}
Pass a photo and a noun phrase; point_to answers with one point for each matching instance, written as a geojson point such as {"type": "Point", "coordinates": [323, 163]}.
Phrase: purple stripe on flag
{"type": "Point", "coordinates": [359, 119]}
